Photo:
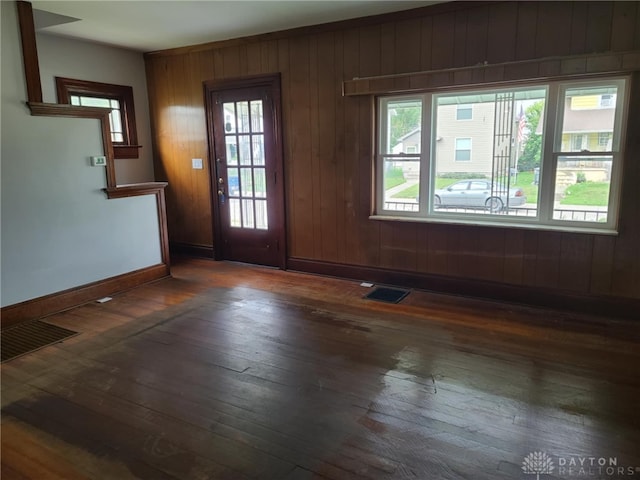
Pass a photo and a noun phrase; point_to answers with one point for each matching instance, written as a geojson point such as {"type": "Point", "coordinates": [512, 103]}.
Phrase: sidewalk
{"type": "Point", "coordinates": [398, 188]}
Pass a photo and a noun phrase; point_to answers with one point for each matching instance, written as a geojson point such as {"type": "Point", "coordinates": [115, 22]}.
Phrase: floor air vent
{"type": "Point", "coordinates": [388, 295]}
{"type": "Point", "coordinates": [30, 336]}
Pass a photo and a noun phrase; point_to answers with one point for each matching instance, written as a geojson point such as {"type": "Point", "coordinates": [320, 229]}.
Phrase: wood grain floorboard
{"type": "Point", "coordinates": [229, 371]}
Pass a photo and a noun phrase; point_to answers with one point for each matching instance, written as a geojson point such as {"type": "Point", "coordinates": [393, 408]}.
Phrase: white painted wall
{"type": "Point", "coordinates": [65, 57]}
{"type": "Point", "coordinates": [57, 229]}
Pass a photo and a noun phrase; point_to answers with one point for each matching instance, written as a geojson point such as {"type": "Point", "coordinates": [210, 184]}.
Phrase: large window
{"type": "Point", "coordinates": [118, 98]}
{"type": "Point", "coordinates": [544, 156]}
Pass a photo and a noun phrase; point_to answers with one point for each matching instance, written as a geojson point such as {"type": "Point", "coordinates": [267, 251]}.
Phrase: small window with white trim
{"type": "Point", "coordinates": [464, 112]}
{"type": "Point", "coordinates": [117, 98]}
{"type": "Point", "coordinates": [463, 150]}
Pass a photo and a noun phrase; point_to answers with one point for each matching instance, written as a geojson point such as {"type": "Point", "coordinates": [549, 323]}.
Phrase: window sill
{"type": "Point", "coordinates": [126, 151]}
{"type": "Point", "coordinates": [488, 223]}
{"type": "Point", "coordinates": [135, 189]}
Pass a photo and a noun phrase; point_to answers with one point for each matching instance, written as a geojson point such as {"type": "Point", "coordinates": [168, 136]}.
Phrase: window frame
{"type": "Point", "coordinates": [551, 150]}
{"type": "Point", "coordinates": [67, 87]}
{"type": "Point", "coordinates": [381, 143]}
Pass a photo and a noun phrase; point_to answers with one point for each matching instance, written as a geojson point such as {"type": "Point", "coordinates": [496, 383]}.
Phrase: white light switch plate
{"type": "Point", "coordinates": [196, 163]}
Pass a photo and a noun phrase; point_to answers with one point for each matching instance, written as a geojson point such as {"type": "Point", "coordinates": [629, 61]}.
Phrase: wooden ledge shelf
{"type": "Point", "coordinates": [64, 110]}
{"type": "Point", "coordinates": [68, 110]}
{"type": "Point", "coordinates": [126, 151]}
{"type": "Point", "coordinates": [148, 188]}
{"type": "Point", "coordinates": [135, 189]}
{"type": "Point", "coordinates": [520, 71]}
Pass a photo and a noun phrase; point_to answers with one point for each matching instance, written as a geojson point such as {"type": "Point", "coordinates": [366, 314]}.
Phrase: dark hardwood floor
{"type": "Point", "coordinates": [228, 371]}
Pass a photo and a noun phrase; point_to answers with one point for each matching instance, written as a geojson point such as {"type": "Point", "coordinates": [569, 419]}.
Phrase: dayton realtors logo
{"type": "Point", "coordinates": [575, 466]}
{"type": "Point", "coordinates": [537, 463]}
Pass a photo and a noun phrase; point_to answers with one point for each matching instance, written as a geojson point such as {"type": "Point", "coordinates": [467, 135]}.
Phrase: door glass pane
{"type": "Point", "coordinates": [589, 115]}
{"type": "Point", "coordinates": [582, 188]}
{"type": "Point", "coordinates": [260, 183]}
{"type": "Point", "coordinates": [401, 184]}
{"type": "Point", "coordinates": [246, 182]}
{"type": "Point", "coordinates": [235, 218]}
{"type": "Point", "coordinates": [75, 100]}
{"type": "Point", "coordinates": [244, 143]}
{"type": "Point", "coordinates": [233, 181]}
{"type": "Point", "coordinates": [232, 150]}
{"type": "Point", "coordinates": [245, 149]}
{"type": "Point", "coordinates": [256, 116]}
{"type": "Point", "coordinates": [243, 117]}
{"type": "Point", "coordinates": [247, 213]}
{"type": "Point", "coordinates": [261, 215]}
{"type": "Point", "coordinates": [257, 143]}
{"type": "Point", "coordinates": [229, 118]}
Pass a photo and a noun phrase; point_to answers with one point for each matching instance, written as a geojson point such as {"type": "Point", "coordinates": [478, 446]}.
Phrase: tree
{"type": "Point", "coordinates": [532, 150]}
{"type": "Point", "coordinates": [404, 119]}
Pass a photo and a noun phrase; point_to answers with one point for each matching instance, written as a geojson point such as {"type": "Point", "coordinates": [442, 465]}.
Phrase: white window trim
{"type": "Point", "coordinates": [551, 151]}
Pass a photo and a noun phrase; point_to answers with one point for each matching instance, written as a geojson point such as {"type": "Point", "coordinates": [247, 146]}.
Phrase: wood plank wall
{"type": "Point", "coordinates": [328, 140]}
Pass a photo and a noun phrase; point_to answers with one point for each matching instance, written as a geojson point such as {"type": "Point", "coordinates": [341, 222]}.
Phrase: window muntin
{"type": "Point", "coordinates": [523, 146]}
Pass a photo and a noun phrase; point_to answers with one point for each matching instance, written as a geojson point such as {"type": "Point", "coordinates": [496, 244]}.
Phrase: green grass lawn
{"type": "Point", "coordinates": [587, 193]}
{"type": "Point", "coordinates": [409, 192]}
{"type": "Point", "coordinates": [524, 181]}
{"type": "Point", "coordinates": [393, 177]}
{"type": "Point", "coordinates": [412, 191]}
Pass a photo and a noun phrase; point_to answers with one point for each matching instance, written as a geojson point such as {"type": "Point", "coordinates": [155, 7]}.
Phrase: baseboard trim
{"type": "Point", "coordinates": [191, 250]}
{"type": "Point", "coordinates": [619, 307]}
{"type": "Point", "coordinates": [59, 301]}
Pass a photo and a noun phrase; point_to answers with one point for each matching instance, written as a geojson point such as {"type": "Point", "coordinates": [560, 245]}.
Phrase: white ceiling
{"type": "Point", "coordinates": [156, 25]}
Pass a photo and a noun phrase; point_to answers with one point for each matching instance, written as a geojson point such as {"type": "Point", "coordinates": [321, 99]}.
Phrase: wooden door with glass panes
{"type": "Point", "coordinates": [247, 174]}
